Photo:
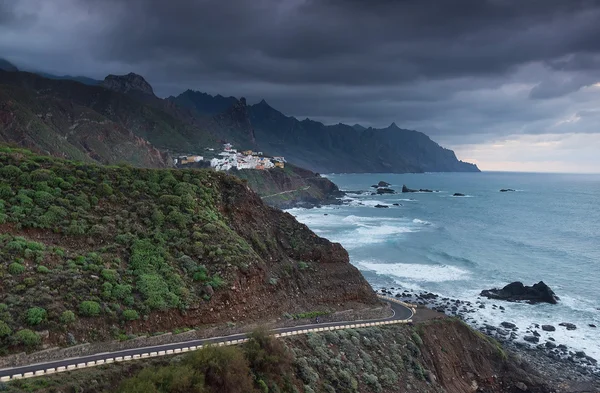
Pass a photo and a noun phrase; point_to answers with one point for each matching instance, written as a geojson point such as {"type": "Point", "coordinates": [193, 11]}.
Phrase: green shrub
{"type": "Point", "coordinates": [121, 291]}
{"type": "Point", "coordinates": [5, 191]}
{"type": "Point", "coordinates": [302, 265]}
{"type": "Point", "coordinates": [16, 268]}
{"type": "Point", "coordinates": [10, 172]}
{"type": "Point", "coordinates": [89, 308]}
{"type": "Point", "coordinates": [35, 316]}
{"type": "Point", "coordinates": [109, 275]}
{"type": "Point", "coordinates": [104, 189]}
{"type": "Point", "coordinates": [43, 199]}
{"type": "Point", "coordinates": [130, 315]}
{"type": "Point", "coordinates": [28, 338]}
{"type": "Point", "coordinates": [67, 317]}
{"type": "Point", "coordinates": [5, 330]}
{"type": "Point", "coordinates": [43, 270]}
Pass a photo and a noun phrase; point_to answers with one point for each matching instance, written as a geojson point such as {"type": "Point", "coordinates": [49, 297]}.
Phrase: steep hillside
{"type": "Point", "coordinates": [148, 120]}
{"type": "Point", "coordinates": [320, 148]}
{"type": "Point", "coordinates": [442, 356]}
{"type": "Point", "coordinates": [92, 253]}
{"type": "Point", "coordinates": [202, 103]}
{"type": "Point", "coordinates": [343, 148]}
{"type": "Point", "coordinates": [59, 127]}
{"type": "Point", "coordinates": [291, 187]}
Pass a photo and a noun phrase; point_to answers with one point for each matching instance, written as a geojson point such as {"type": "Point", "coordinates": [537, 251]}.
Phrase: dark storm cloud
{"type": "Point", "coordinates": [350, 42]}
{"type": "Point", "coordinates": [460, 69]}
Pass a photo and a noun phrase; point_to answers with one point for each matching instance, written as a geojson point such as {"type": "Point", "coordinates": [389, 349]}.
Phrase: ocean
{"type": "Point", "coordinates": [547, 230]}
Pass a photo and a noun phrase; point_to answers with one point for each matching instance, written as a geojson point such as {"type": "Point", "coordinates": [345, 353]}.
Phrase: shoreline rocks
{"type": "Point", "coordinates": [516, 291]}
{"type": "Point", "coordinates": [558, 361]}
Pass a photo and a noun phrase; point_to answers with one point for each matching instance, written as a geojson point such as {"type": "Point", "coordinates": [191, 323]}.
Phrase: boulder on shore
{"type": "Point", "coordinates": [385, 191]}
{"type": "Point", "coordinates": [516, 291]}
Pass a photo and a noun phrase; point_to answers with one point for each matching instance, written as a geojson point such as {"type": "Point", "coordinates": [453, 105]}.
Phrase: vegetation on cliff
{"type": "Point", "coordinates": [441, 356]}
{"type": "Point", "coordinates": [90, 253]}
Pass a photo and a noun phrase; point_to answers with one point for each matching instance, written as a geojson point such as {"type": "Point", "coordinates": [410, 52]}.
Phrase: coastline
{"type": "Point", "coordinates": [559, 364]}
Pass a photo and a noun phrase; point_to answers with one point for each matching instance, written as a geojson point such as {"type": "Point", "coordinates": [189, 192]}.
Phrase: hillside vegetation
{"type": "Point", "coordinates": [443, 356]}
{"type": "Point", "coordinates": [90, 253]}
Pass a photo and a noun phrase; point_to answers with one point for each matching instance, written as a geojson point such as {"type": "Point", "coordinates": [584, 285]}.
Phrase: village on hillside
{"type": "Point", "coordinates": [230, 158]}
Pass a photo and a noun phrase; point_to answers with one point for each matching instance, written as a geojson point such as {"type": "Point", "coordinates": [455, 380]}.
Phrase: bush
{"type": "Point", "coordinates": [109, 275]}
{"type": "Point", "coordinates": [209, 370]}
{"type": "Point", "coordinates": [130, 315]}
{"type": "Point", "coordinates": [35, 316]}
{"type": "Point", "coordinates": [5, 330]}
{"type": "Point", "coordinates": [121, 291]}
{"type": "Point", "coordinates": [16, 268]}
{"type": "Point", "coordinates": [43, 270]}
{"type": "Point", "coordinates": [67, 317]}
{"type": "Point", "coordinates": [28, 337]}
{"type": "Point", "coordinates": [266, 354]}
{"type": "Point", "coordinates": [89, 308]}
{"type": "Point", "coordinates": [104, 189]}
{"type": "Point", "coordinates": [43, 199]}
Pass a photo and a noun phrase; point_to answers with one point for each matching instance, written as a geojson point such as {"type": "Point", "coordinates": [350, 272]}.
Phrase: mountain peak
{"type": "Point", "coordinates": [358, 127]}
{"type": "Point", "coordinates": [128, 83]}
{"type": "Point", "coordinates": [394, 126]}
{"type": "Point", "coordinates": [6, 65]}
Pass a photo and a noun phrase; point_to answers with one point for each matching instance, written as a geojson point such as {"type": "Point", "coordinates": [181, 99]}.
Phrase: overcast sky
{"type": "Point", "coordinates": [508, 84]}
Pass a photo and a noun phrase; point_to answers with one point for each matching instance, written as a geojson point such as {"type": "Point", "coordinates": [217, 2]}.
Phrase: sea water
{"type": "Point", "coordinates": [547, 230]}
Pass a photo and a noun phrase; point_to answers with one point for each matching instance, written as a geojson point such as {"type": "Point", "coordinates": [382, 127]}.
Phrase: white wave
{"type": "Point", "coordinates": [382, 230]}
{"type": "Point", "coordinates": [416, 272]}
{"type": "Point", "coordinates": [422, 222]}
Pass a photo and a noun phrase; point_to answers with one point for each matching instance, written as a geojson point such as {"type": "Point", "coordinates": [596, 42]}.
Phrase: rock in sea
{"type": "Point", "coordinates": [516, 291]}
{"type": "Point", "coordinates": [385, 191]}
{"type": "Point", "coordinates": [381, 206]}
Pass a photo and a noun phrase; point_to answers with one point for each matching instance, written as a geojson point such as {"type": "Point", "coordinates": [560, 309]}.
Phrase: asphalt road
{"type": "Point", "coordinates": [401, 313]}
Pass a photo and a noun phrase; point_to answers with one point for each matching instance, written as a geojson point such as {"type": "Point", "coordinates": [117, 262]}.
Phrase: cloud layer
{"type": "Point", "coordinates": [467, 72]}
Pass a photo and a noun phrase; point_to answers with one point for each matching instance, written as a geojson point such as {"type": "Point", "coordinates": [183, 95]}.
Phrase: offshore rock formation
{"type": "Point", "coordinates": [516, 291]}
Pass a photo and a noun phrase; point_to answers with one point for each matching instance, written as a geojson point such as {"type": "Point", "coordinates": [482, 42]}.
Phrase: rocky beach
{"type": "Point", "coordinates": [536, 345]}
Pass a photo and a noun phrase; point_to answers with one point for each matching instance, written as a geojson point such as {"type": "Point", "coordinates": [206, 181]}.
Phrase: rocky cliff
{"type": "Point", "coordinates": [291, 187]}
{"type": "Point", "coordinates": [321, 148]}
{"type": "Point", "coordinates": [89, 253]}
{"type": "Point", "coordinates": [130, 83]}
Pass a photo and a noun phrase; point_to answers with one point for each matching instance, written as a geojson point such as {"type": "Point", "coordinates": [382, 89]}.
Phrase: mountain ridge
{"type": "Point", "coordinates": [194, 120]}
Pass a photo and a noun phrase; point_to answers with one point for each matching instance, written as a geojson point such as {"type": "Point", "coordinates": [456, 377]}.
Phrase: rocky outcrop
{"type": "Point", "coordinates": [408, 190]}
{"type": "Point", "coordinates": [381, 191]}
{"type": "Point", "coordinates": [516, 291]}
{"type": "Point", "coordinates": [378, 206]}
{"type": "Point", "coordinates": [507, 190]}
{"type": "Point", "coordinates": [383, 184]}
{"type": "Point", "coordinates": [292, 187]}
{"type": "Point", "coordinates": [127, 84]}
{"type": "Point", "coordinates": [458, 194]}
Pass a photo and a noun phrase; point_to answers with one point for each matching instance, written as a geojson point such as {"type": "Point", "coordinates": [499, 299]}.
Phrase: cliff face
{"type": "Point", "coordinates": [152, 251]}
{"type": "Point", "coordinates": [130, 83]}
{"type": "Point", "coordinates": [291, 187]}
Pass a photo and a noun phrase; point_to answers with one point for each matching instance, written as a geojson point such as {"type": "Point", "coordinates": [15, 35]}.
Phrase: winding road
{"type": "Point", "coordinates": [402, 313]}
